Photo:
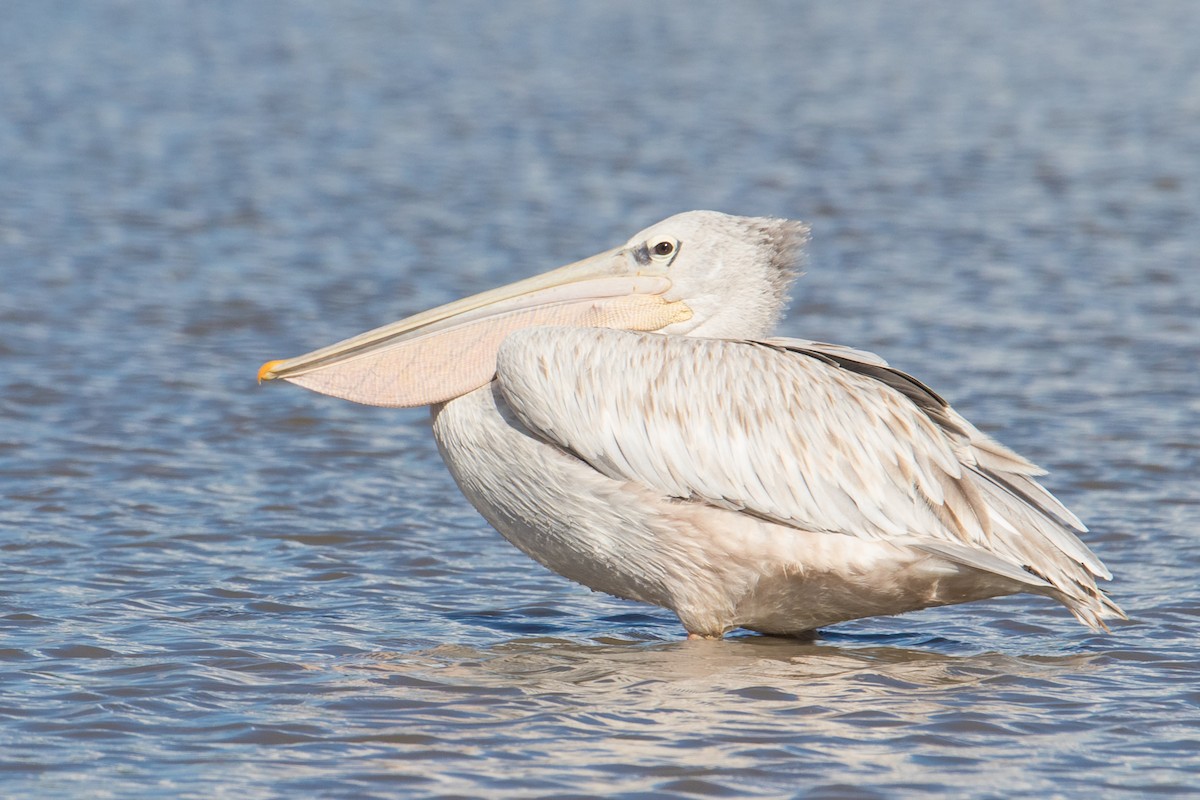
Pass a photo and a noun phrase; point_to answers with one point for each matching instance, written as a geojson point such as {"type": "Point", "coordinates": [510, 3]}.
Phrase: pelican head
{"type": "Point", "coordinates": [700, 273]}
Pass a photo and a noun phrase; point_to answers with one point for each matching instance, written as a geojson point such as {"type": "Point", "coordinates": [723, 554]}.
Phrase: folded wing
{"type": "Point", "coordinates": [814, 436]}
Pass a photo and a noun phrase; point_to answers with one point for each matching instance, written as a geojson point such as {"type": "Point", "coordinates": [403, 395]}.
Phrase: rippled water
{"type": "Point", "coordinates": [210, 588]}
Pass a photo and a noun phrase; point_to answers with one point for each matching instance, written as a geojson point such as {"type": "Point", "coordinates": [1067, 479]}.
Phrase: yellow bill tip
{"type": "Point", "coordinates": [267, 371]}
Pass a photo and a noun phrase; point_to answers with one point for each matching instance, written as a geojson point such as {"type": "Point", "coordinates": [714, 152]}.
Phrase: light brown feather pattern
{"type": "Point", "coordinates": [814, 436]}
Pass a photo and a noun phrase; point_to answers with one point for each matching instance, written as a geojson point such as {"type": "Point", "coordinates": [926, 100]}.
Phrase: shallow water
{"type": "Point", "coordinates": [210, 588]}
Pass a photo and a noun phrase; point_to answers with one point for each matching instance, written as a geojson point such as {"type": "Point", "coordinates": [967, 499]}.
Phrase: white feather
{"type": "Point", "coordinates": [788, 435]}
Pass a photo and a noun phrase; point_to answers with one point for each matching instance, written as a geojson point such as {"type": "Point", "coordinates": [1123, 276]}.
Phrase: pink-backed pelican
{"type": "Point", "coordinates": [629, 422]}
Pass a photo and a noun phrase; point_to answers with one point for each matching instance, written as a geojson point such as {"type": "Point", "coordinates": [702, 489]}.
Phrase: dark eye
{"type": "Point", "coordinates": [664, 248]}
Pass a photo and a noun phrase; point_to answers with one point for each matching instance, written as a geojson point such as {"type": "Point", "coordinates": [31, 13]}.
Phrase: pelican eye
{"type": "Point", "coordinates": [663, 249]}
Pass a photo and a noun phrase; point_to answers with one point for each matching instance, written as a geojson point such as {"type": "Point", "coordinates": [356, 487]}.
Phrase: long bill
{"type": "Point", "coordinates": [451, 350]}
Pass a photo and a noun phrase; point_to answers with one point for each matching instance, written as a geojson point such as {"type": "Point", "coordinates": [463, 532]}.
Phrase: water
{"type": "Point", "coordinates": [214, 589]}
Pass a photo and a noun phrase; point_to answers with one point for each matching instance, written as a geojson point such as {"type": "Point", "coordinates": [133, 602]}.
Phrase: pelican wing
{"type": "Point", "coordinates": [811, 435]}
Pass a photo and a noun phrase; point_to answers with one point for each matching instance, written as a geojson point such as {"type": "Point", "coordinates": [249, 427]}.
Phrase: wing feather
{"type": "Point", "coordinates": [816, 436]}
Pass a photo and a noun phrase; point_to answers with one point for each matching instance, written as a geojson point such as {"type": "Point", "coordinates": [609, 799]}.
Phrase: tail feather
{"type": "Point", "coordinates": [1093, 609]}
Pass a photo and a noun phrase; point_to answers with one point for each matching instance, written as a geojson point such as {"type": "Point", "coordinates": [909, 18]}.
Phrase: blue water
{"type": "Point", "coordinates": [214, 589]}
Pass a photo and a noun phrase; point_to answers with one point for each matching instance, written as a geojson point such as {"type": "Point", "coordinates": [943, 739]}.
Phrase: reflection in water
{"type": "Point", "coordinates": [771, 710]}
{"type": "Point", "coordinates": [795, 671]}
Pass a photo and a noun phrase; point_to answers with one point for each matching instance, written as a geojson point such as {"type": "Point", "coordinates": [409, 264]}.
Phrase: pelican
{"type": "Point", "coordinates": [629, 422]}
